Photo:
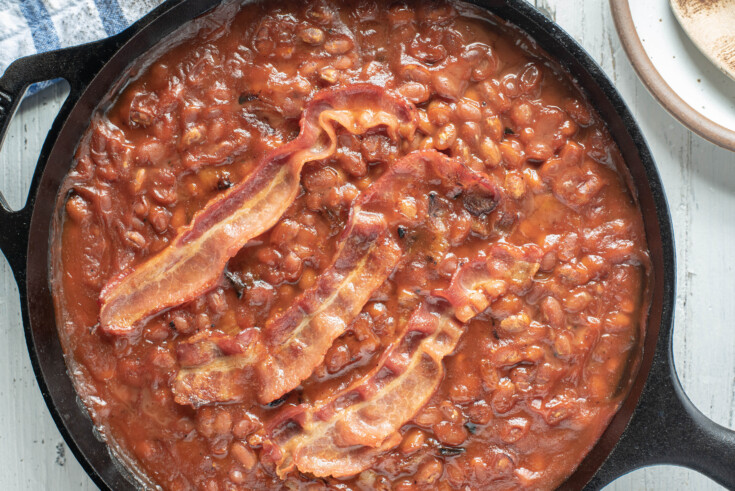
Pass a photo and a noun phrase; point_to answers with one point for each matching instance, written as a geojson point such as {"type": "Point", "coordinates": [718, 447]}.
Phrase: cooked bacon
{"type": "Point", "coordinates": [297, 340]}
{"type": "Point", "coordinates": [478, 283]}
{"type": "Point", "coordinates": [194, 261]}
{"type": "Point", "coordinates": [216, 366]}
{"type": "Point", "coordinates": [420, 172]}
{"type": "Point", "coordinates": [341, 436]}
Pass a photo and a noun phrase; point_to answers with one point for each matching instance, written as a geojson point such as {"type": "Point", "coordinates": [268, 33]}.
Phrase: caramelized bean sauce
{"type": "Point", "coordinates": [537, 374]}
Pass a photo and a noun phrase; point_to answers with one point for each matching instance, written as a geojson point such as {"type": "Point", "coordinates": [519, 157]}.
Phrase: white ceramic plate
{"type": "Point", "coordinates": [683, 80]}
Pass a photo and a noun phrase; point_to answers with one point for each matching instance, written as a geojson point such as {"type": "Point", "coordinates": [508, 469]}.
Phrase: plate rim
{"type": "Point", "coordinates": [657, 85]}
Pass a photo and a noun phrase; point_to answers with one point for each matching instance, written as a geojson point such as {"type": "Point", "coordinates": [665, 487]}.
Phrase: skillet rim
{"type": "Point", "coordinates": [174, 13]}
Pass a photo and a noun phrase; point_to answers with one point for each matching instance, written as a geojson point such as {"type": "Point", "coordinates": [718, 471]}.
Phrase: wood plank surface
{"type": "Point", "coordinates": [699, 179]}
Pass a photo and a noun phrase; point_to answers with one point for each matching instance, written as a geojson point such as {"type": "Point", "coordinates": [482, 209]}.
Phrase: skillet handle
{"type": "Point", "coordinates": [77, 65]}
{"type": "Point", "coordinates": [666, 428]}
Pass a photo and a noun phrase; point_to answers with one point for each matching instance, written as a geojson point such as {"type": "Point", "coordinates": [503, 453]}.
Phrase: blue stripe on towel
{"type": "Point", "coordinates": [43, 31]}
{"type": "Point", "coordinates": [111, 15]}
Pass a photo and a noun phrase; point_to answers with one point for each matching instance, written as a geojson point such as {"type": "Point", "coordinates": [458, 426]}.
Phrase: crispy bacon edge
{"type": "Point", "coordinates": [195, 260]}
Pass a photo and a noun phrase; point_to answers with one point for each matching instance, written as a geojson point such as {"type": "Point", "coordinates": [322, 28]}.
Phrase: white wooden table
{"type": "Point", "coordinates": [700, 183]}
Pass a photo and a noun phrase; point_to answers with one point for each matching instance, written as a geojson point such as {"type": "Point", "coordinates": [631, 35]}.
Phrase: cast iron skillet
{"type": "Point", "coordinates": [657, 423]}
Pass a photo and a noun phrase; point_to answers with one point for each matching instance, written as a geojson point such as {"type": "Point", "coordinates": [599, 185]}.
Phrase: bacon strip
{"type": "Point", "coordinates": [298, 339]}
{"type": "Point", "coordinates": [342, 435]}
{"type": "Point", "coordinates": [195, 260]}
{"type": "Point", "coordinates": [217, 366]}
{"type": "Point", "coordinates": [480, 282]}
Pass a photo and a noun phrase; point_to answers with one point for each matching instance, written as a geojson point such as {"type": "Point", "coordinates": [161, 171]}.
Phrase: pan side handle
{"type": "Point", "coordinates": [666, 428]}
{"type": "Point", "coordinates": [77, 65]}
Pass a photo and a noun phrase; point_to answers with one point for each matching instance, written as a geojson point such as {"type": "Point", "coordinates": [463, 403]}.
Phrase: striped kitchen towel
{"type": "Point", "coordinates": [35, 26]}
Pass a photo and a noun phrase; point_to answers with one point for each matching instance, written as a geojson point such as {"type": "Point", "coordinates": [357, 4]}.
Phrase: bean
{"type": "Point", "coordinates": [399, 14]}
{"type": "Point", "coordinates": [413, 72]}
{"type": "Point", "coordinates": [269, 256]}
{"type": "Point", "coordinates": [77, 209]}
{"type": "Point", "coordinates": [480, 412]}
{"type": "Point", "coordinates": [308, 278]}
{"type": "Point", "coordinates": [494, 128]}
{"type": "Point", "coordinates": [438, 13]}
{"type": "Point", "coordinates": [512, 153]}
{"type": "Point", "coordinates": [449, 433]}
{"type": "Point", "coordinates": [449, 84]}
{"type": "Point", "coordinates": [515, 324]}
{"type": "Point", "coordinates": [162, 357]}
{"type": "Point", "coordinates": [578, 111]}
{"type": "Point", "coordinates": [246, 426]}
{"type": "Point", "coordinates": [577, 301]}
{"type": "Point", "coordinates": [292, 267]}
{"type": "Point", "coordinates": [450, 412]}
{"type": "Point", "coordinates": [466, 389]}
{"type": "Point", "coordinates": [338, 46]}
{"type": "Point", "coordinates": [329, 75]}
{"type": "Point", "coordinates": [312, 35]}
{"type": "Point", "coordinates": [135, 239]}
{"type": "Point", "coordinates": [515, 185]}
{"type": "Point", "coordinates": [490, 153]}
{"type": "Point", "coordinates": [522, 114]}
{"type": "Point", "coordinates": [236, 476]}
{"type": "Point", "coordinates": [337, 358]}
{"type": "Point", "coordinates": [203, 321]}
{"type": "Point", "coordinates": [192, 136]}
{"type": "Point", "coordinates": [439, 112]}
{"type": "Point", "coordinates": [469, 110]}
{"type": "Point", "coordinates": [539, 152]}
{"type": "Point", "coordinates": [244, 455]}
{"type": "Point", "coordinates": [445, 137]}
{"type": "Point", "coordinates": [429, 416]}
{"type": "Point", "coordinates": [460, 229]}
{"type": "Point", "coordinates": [149, 152]}
{"type": "Point", "coordinates": [377, 148]}
{"type": "Point", "coordinates": [429, 471]}
{"type": "Point", "coordinates": [159, 218]}
{"type": "Point", "coordinates": [413, 440]}
{"type": "Point", "coordinates": [530, 79]}
{"type": "Point", "coordinates": [572, 154]}
{"type": "Point", "coordinates": [414, 92]}
{"type": "Point", "coordinates": [553, 313]}
{"type": "Point", "coordinates": [485, 67]}
{"type": "Point", "coordinates": [321, 14]}
{"type": "Point", "coordinates": [284, 232]}
{"type": "Point", "coordinates": [139, 180]}
{"type": "Point", "coordinates": [497, 100]}
{"type": "Point", "coordinates": [562, 345]}
{"type": "Point", "coordinates": [504, 397]}
{"type": "Point", "coordinates": [514, 429]}
{"type": "Point", "coordinates": [470, 133]}
{"type": "Point", "coordinates": [533, 181]}
{"type": "Point", "coordinates": [617, 322]}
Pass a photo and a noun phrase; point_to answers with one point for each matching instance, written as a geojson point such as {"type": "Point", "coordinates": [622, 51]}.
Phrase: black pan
{"type": "Point", "coordinates": [657, 423]}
